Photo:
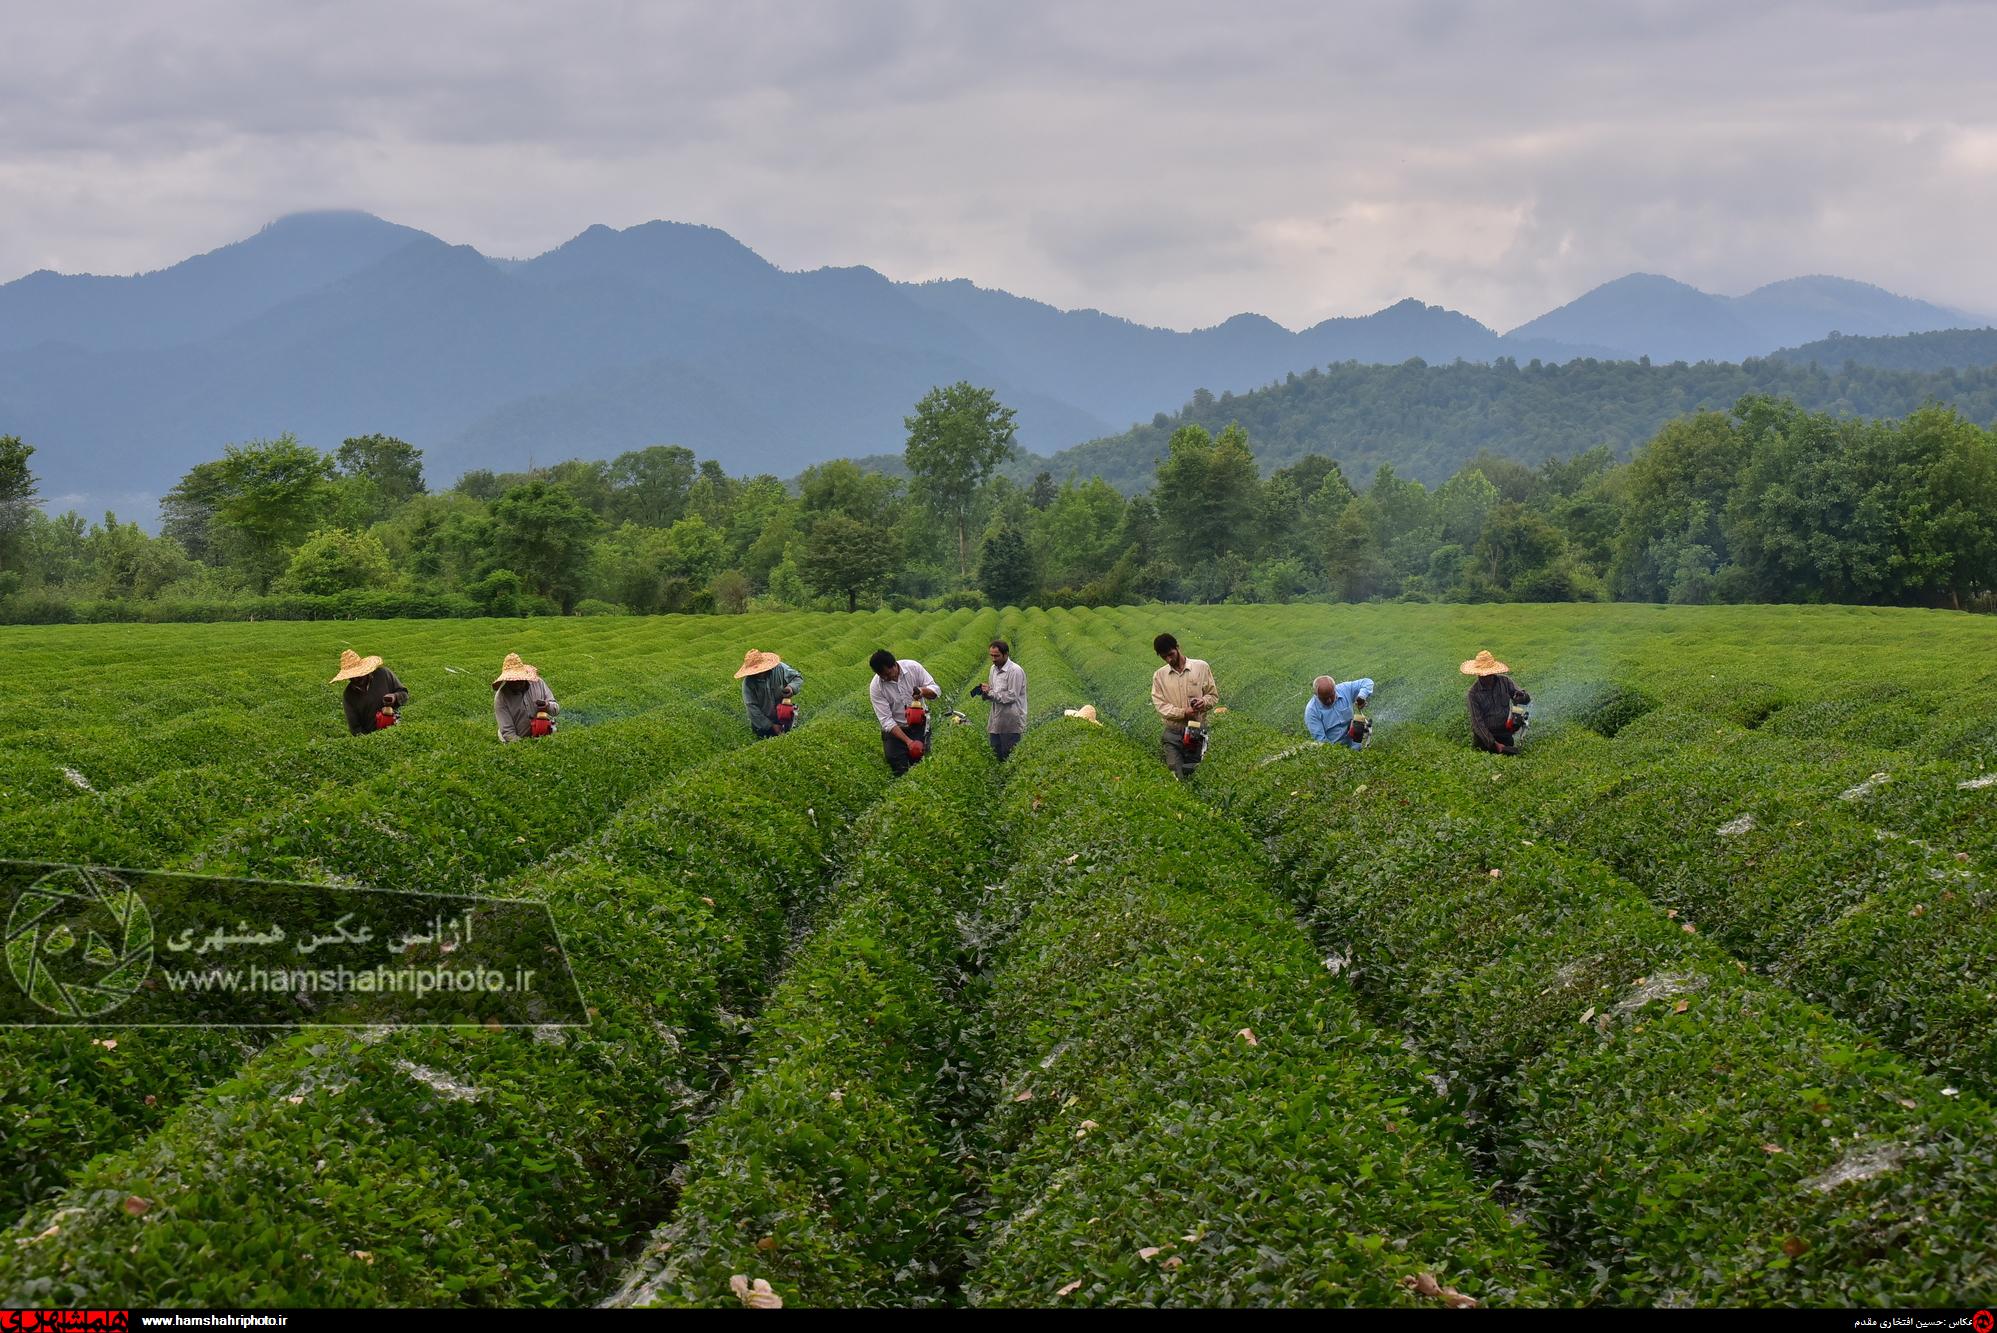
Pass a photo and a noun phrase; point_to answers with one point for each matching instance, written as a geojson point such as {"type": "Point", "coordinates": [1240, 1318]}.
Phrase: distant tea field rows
{"type": "Point", "coordinates": [1691, 1003]}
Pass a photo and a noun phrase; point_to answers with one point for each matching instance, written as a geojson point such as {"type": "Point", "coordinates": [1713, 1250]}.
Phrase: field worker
{"type": "Point", "coordinates": [1006, 692]}
{"type": "Point", "coordinates": [373, 694]}
{"type": "Point", "coordinates": [768, 685]}
{"type": "Point", "coordinates": [1183, 692]}
{"type": "Point", "coordinates": [898, 690]}
{"type": "Point", "coordinates": [522, 704]}
{"type": "Point", "coordinates": [1493, 724]}
{"type": "Point", "coordinates": [1328, 715]}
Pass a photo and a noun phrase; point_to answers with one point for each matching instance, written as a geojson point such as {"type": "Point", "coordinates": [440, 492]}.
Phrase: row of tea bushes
{"type": "Point", "coordinates": [1684, 1131]}
{"type": "Point", "coordinates": [830, 1173]}
{"type": "Point", "coordinates": [1188, 1110]}
{"type": "Point", "coordinates": [426, 1166]}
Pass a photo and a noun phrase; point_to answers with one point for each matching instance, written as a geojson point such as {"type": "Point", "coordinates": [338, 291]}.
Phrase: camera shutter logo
{"type": "Point", "coordinates": [79, 942]}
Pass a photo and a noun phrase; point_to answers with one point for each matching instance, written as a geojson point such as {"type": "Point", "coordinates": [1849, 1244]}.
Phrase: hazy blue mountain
{"type": "Point", "coordinates": [1943, 350]}
{"type": "Point", "coordinates": [1644, 314]}
{"type": "Point", "coordinates": [199, 297]}
{"type": "Point", "coordinates": [1799, 310]}
{"type": "Point", "coordinates": [1125, 372]}
{"type": "Point", "coordinates": [335, 324]}
{"type": "Point", "coordinates": [1647, 315]}
{"type": "Point", "coordinates": [485, 367]}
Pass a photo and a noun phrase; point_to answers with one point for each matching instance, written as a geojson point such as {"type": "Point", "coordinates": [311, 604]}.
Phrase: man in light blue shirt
{"type": "Point", "coordinates": [1328, 716]}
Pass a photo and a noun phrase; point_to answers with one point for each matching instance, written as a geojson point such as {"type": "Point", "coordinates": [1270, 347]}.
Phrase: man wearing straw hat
{"type": "Point", "coordinates": [373, 694]}
{"type": "Point", "coordinates": [1494, 726]}
{"type": "Point", "coordinates": [768, 685]}
{"type": "Point", "coordinates": [522, 704]}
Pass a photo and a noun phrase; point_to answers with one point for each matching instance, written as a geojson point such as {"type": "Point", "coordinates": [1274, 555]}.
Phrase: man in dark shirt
{"type": "Point", "coordinates": [1490, 701]}
{"type": "Point", "coordinates": [372, 691]}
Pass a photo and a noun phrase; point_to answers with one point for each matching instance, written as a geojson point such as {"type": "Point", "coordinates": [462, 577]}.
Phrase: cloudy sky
{"type": "Point", "coordinates": [1176, 163]}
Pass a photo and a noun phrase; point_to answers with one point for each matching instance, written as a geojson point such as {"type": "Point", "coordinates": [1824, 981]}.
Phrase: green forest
{"type": "Point", "coordinates": [1769, 501]}
{"type": "Point", "coordinates": [1429, 421]}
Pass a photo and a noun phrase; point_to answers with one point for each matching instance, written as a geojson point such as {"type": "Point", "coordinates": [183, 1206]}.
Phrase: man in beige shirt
{"type": "Point", "coordinates": [1181, 690]}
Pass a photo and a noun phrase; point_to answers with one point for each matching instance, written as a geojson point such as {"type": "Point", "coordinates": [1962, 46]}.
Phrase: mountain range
{"type": "Point", "coordinates": [336, 324]}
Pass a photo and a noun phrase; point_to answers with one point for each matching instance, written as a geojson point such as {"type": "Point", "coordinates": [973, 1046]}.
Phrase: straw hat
{"type": "Point", "coordinates": [352, 665]}
{"type": "Point", "coordinates": [515, 669]}
{"type": "Point", "coordinates": [1087, 712]}
{"type": "Point", "coordinates": [1483, 664]}
{"type": "Point", "coordinates": [756, 663]}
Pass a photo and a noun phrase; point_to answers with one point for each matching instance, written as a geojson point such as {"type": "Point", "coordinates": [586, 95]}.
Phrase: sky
{"type": "Point", "coordinates": [1173, 163]}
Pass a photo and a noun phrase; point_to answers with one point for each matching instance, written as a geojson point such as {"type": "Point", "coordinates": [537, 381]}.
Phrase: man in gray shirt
{"type": "Point", "coordinates": [522, 704]}
{"type": "Point", "coordinates": [1006, 691]}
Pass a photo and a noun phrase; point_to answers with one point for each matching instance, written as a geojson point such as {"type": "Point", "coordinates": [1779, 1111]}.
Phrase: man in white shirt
{"type": "Point", "coordinates": [1006, 693]}
{"type": "Point", "coordinates": [898, 686]}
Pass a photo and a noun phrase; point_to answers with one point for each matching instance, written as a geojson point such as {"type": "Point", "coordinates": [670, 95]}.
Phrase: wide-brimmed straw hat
{"type": "Point", "coordinates": [352, 665]}
{"type": "Point", "coordinates": [515, 669]}
{"type": "Point", "coordinates": [755, 663]}
{"type": "Point", "coordinates": [1483, 664]}
{"type": "Point", "coordinates": [1087, 712]}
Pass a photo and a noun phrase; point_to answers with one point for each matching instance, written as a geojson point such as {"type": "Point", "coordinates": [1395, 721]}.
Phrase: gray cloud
{"type": "Point", "coordinates": [1169, 161]}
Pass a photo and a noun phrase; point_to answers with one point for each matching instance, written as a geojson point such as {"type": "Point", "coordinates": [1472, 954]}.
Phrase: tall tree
{"type": "Point", "coordinates": [844, 555]}
{"type": "Point", "coordinates": [394, 466]}
{"type": "Point", "coordinates": [956, 439]}
{"type": "Point", "coordinates": [543, 534]}
{"type": "Point", "coordinates": [1352, 557]}
{"type": "Point", "coordinates": [250, 507]}
{"type": "Point", "coordinates": [1207, 492]}
{"type": "Point", "coordinates": [1005, 567]}
{"type": "Point", "coordinates": [1042, 492]}
{"type": "Point", "coordinates": [1675, 490]}
{"type": "Point", "coordinates": [651, 484]}
{"type": "Point", "coordinates": [17, 497]}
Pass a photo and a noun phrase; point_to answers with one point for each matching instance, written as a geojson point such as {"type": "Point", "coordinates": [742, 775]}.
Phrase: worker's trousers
{"type": "Point", "coordinates": [897, 753]}
{"type": "Point", "coordinates": [1173, 750]}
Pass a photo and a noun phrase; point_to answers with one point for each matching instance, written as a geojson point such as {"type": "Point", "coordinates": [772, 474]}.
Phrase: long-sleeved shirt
{"type": "Point", "coordinates": [892, 697]}
{"type": "Point", "coordinates": [514, 712]}
{"type": "Point", "coordinates": [367, 695]}
{"type": "Point", "coordinates": [762, 692]}
{"type": "Point", "coordinates": [1173, 690]}
{"type": "Point", "coordinates": [1327, 722]}
{"type": "Point", "coordinates": [1490, 701]}
{"type": "Point", "coordinates": [1006, 690]}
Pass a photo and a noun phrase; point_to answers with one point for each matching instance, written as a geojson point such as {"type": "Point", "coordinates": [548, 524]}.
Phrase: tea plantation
{"type": "Point", "coordinates": [1694, 1002]}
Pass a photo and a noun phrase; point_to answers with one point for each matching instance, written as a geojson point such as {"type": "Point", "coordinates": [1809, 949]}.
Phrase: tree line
{"type": "Point", "coordinates": [1430, 421]}
{"type": "Point", "coordinates": [1768, 501]}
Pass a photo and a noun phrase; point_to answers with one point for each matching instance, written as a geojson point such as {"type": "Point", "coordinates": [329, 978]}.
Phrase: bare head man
{"type": "Point", "coordinates": [1326, 689]}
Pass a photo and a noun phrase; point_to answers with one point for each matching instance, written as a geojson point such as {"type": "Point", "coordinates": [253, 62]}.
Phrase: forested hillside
{"type": "Point", "coordinates": [1427, 421]}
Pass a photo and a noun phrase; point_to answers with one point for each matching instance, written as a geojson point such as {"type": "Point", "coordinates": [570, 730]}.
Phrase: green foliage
{"type": "Point", "coordinates": [1005, 567]}
{"type": "Point", "coordinates": [957, 437]}
{"type": "Point", "coordinates": [1429, 421]}
{"type": "Point", "coordinates": [386, 472]}
{"type": "Point", "coordinates": [332, 561]}
{"type": "Point", "coordinates": [847, 557]}
{"type": "Point", "coordinates": [251, 507]}
{"type": "Point", "coordinates": [1186, 1108]}
{"type": "Point", "coordinates": [1207, 492]}
{"type": "Point", "coordinates": [17, 497]}
{"type": "Point", "coordinates": [542, 532]}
